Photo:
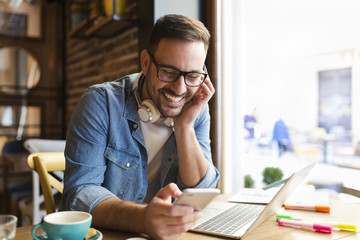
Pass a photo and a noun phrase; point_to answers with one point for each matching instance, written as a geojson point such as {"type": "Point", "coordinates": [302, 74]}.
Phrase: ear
{"type": "Point", "coordinates": [145, 61]}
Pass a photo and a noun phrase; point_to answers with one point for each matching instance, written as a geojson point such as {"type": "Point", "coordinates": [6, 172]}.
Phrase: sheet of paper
{"type": "Point", "coordinates": [253, 195]}
{"type": "Point", "coordinates": [304, 195]}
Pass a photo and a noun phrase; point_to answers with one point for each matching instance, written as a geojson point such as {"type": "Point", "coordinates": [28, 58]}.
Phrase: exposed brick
{"type": "Point", "coordinates": [95, 60]}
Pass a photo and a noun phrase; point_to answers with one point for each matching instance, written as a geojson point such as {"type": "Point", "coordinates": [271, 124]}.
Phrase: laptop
{"type": "Point", "coordinates": [235, 220]}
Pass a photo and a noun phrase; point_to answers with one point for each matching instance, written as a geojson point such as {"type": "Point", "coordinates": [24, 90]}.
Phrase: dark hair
{"type": "Point", "coordinates": [174, 26]}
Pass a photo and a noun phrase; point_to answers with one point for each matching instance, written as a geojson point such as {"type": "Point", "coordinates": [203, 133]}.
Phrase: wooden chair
{"type": "Point", "coordinates": [43, 163]}
{"type": "Point", "coordinates": [31, 208]}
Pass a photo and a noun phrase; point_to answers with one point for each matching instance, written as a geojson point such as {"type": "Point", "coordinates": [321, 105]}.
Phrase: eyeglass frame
{"type": "Point", "coordinates": [181, 73]}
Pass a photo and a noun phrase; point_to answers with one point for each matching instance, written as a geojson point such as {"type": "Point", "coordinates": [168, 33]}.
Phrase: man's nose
{"type": "Point", "coordinates": [179, 84]}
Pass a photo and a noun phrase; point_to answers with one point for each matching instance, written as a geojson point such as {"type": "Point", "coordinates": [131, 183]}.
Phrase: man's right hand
{"type": "Point", "coordinates": [164, 220]}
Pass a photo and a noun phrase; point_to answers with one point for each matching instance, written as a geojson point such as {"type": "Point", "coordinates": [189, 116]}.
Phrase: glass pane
{"type": "Point", "coordinates": [19, 70]}
{"type": "Point", "coordinates": [20, 18]}
{"type": "Point", "coordinates": [20, 121]}
{"type": "Point", "coordinates": [295, 82]}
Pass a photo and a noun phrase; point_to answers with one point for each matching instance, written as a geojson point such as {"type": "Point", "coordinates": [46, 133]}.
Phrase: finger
{"type": "Point", "coordinates": [165, 209]}
{"type": "Point", "coordinates": [176, 229]}
{"type": "Point", "coordinates": [171, 190]}
{"type": "Point", "coordinates": [209, 84]}
{"type": "Point", "coordinates": [172, 237]}
{"type": "Point", "coordinates": [206, 92]}
{"type": "Point", "coordinates": [183, 219]}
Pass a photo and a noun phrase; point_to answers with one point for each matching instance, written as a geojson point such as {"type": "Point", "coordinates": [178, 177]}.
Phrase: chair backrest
{"type": "Point", "coordinates": [43, 163]}
{"type": "Point", "coordinates": [34, 145]}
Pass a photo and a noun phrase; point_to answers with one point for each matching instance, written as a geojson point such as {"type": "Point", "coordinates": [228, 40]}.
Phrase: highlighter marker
{"type": "Point", "coordinates": [317, 208]}
{"type": "Point", "coordinates": [305, 225]}
{"type": "Point", "coordinates": [341, 226]}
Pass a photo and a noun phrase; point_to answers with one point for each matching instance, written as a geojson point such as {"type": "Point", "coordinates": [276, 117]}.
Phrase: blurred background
{"type": "Point", "coordinates": [286, 73]}
{"type": "Point", "coordinates": [291, 79]}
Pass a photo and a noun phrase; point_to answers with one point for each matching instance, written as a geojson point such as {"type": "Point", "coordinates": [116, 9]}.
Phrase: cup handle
{"type": "Point", "coordinates": [33, 231]}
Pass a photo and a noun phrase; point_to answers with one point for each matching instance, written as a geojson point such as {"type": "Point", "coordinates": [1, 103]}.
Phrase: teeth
{"type": "Point", "coordinates": [172, 98]}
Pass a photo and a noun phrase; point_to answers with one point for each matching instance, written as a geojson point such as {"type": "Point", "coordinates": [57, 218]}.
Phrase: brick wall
{"type": "Point", "coordinates": [96, 60]}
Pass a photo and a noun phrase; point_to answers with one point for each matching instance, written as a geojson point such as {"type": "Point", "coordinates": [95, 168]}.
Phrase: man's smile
{"type": "Point", "coordinates": [173, 98]}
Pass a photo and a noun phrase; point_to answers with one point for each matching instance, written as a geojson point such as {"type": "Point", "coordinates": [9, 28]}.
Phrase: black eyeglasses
{"type": "Point", "coordinates": [169, 74]}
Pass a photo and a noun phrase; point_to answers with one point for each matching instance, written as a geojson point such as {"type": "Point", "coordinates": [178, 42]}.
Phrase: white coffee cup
{"type": "Point", "coordinates": [67, 225]}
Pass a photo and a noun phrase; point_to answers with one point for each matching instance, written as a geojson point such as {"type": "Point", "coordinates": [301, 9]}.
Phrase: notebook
{"type": "Point", "coordinates": [235, 220]}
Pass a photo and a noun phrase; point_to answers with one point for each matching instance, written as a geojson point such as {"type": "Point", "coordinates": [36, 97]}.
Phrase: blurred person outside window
{"type": "Point", "coordinates": [250, 121]}
{"type": "Point", "coordinates": [280, 135]}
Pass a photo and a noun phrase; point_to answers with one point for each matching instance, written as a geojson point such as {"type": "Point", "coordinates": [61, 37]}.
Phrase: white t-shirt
{"type": "Point", "coordinates": [155, 135]}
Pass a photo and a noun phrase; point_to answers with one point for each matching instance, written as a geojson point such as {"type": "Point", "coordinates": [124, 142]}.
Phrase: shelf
{"type": "Point", "coordinates": [104, 27]}
{"type": "Point", "coordinates": [79, 30]}
{"type": "Point", "coordinates": [108, 26]}
{"type": "Point", "coordinates": [96, 22]}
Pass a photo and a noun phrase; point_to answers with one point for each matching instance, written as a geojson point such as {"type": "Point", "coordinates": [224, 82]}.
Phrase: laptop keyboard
{"type": "Point", "coordinates": [231, 220]}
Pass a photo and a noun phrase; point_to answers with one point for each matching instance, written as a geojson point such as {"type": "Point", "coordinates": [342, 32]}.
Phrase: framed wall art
{"type": "Point", "coordinates": [21, 18]}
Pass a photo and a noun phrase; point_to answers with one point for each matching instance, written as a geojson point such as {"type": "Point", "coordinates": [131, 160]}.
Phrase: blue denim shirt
{"type": "Point", "coordinates": [105, 151]}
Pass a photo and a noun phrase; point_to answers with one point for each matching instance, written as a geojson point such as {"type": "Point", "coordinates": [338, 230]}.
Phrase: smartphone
{"type": "Point", "coordinates": [197, 198]}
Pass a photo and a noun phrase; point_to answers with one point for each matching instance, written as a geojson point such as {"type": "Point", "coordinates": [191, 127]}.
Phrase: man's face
{"type": "Point", "coordinates": [170, 98]}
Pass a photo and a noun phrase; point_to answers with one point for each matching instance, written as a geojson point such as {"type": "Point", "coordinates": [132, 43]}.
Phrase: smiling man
{"type": "Point", "coordinates": [133, 144]}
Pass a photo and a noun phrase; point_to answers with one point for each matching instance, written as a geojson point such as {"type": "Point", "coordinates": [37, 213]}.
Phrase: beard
{"type": "Point", "coordinates": [168, 110]}
{"type": "Point", "coordinates": [160, 99]}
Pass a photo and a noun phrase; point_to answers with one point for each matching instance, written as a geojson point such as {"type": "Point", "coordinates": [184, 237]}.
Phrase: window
{"type": "Point", "coordinates": [274, 54]}
{"type": "Point", "coordinates": [20, 121]}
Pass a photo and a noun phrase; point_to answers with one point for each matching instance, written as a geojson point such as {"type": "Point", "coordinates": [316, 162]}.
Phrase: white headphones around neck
{"type": "Point", "coordinates": [147, 111]}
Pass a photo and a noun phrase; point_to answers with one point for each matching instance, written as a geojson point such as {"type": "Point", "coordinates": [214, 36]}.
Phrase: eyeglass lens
{"type": "Point", "coordinates": [167, 74]}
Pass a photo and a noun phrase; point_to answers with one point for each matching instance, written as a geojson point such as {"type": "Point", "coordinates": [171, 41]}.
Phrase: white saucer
{"type": "Point", "coordinates": [98, 236]}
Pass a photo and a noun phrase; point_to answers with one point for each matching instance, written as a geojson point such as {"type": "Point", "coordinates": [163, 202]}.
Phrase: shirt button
{"type": "Point", "coordinates": [128, 165]}
{"type": "Point", "coordinates": [139, 198]}
{"type": "Point", "coordinates": [143, 166]}
{"type": "Point", "coordinates": [134, 125]}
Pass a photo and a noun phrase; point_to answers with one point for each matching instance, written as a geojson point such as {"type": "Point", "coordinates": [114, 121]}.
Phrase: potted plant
{"type": "Point", "coordinates": [272, 174]}
{"type": "Point", "coordinates": [249, 181]}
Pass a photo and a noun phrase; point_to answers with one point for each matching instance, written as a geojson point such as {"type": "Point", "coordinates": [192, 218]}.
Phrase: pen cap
{"type": "Point", "coordinates": [323, 228]}
{"type": "Point", "coordinates": [347, 227]}
{"type": "Point", "coordinates": [322, 208]}
{"type": "Point", "coordinates": [279, 216]}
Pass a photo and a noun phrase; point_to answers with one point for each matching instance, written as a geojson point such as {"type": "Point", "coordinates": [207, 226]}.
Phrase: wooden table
{"type": "Point", "coordinates": [340, 211]}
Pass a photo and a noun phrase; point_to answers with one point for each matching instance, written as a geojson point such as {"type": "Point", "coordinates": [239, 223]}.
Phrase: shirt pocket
{"type": "Point", "coordinates": [121, 171]}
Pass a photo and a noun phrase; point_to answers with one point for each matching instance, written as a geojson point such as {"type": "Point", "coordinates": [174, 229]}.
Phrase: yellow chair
{"type": "Point", "coordinates": [43, 163]}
